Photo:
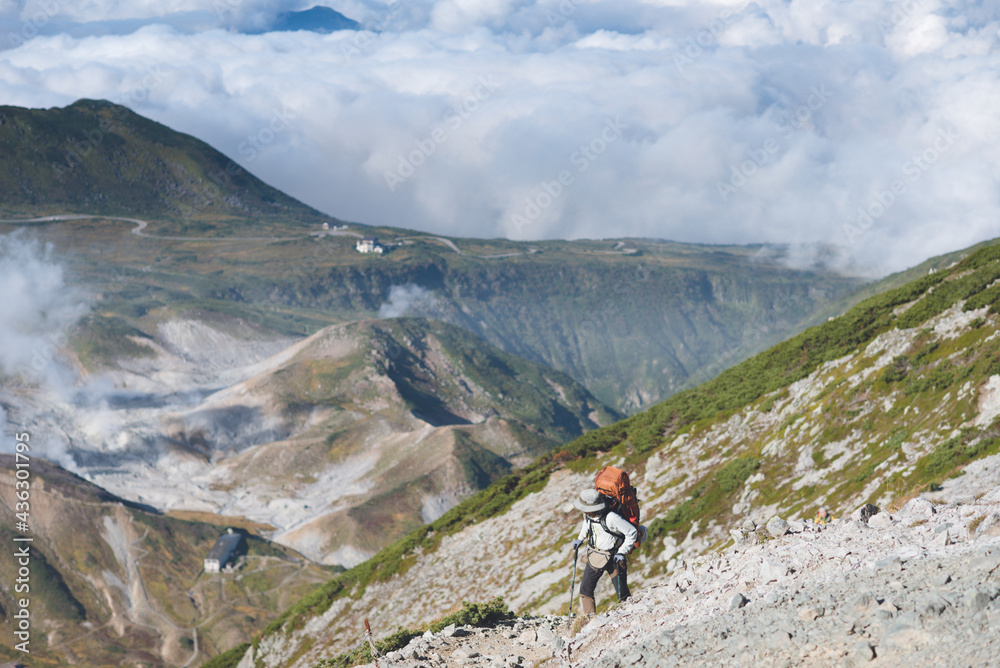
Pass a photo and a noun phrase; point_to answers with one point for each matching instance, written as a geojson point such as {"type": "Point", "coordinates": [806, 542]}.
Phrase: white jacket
{"type": "Point", "coordinates": [604, 540]}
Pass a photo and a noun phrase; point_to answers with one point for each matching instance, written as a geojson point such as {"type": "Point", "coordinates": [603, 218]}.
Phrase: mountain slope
{"type": "Point", "coordinates": [633, 320]}
{"type": "Point", "coordinates": [97, 157]}
{"type": "Point", "coordinates": [114, 583]}
{"type": "Point", "coordinates": [341, 442]}
{"type": "Point", "coordinates": [390, 423]}
{"type": "Point", "coordinates": [917, 587]}
{"type": "Point", "coordinates": [879, 404]}
{"type": "Point", "coordinates": [631, 328]}
{"type": "Point", "coordinates": [587, 312]}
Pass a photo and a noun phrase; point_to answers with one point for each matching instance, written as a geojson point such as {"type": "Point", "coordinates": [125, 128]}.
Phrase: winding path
{"type": "Point", "coordinates": [140, 225]}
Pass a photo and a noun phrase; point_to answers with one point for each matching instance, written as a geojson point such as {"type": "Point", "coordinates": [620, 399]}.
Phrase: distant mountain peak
{"type": "Point", "coordinates": [317, 19]}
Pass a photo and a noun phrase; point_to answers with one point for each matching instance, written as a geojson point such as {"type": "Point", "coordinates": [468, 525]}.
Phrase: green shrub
{"type": "Point", "coordinates": [736, 472]}
{"type": "Point", "coordinates": [229, 659]}
{"type": "Point", "coordinates": [896, 371]}
{"type": "Point", "coordinates": [481, 615]}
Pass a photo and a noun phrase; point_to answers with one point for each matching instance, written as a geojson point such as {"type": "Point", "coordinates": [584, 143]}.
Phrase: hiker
{"type": "Point", "coordinates": [610, 538]}
{"type": "Point", "coordinates": [822, 517]}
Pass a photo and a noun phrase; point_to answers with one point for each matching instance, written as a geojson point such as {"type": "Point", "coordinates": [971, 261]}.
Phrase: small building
{"type": "Point", "coordinates": [369, 245]}
{"type": "Point", "coordinates": [223, 554]}
{"type": "Point", "coordinates": [326, 226]}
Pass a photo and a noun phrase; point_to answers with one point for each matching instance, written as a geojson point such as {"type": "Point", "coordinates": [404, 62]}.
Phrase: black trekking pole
{"type": "Point", "coordinates": [621, 568]}
{"type": "Point", "coordinates": [572, 584]}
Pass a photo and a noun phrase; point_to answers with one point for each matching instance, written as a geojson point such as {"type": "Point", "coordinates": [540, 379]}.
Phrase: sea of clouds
{"type": "Point", "coordinates": [870, 124]}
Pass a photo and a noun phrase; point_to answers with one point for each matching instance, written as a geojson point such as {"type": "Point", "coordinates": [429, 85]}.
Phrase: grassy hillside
{"type": "Point", "coordinates": [97, 157]}
{"type": "Point", "coordinates": [876, 405]}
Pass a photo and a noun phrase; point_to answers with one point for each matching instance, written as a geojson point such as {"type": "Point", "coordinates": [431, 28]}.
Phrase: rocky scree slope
{"type": "Point", "coordinates": [916, 586]}
{"type": "Point", "coordinates": [881, 403]}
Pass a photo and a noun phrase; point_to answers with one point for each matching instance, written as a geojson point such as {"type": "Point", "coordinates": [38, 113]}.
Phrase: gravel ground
{"type": "Point", "coordinates": [920, 587]}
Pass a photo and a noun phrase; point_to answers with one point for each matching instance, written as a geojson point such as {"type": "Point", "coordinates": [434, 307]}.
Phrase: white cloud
{"type": "Point", "coordinates": [36, 307]}
{"type": "Point", "coordinates": [409, 299]}
{"type": "Point", "coordinates": [699, 89]}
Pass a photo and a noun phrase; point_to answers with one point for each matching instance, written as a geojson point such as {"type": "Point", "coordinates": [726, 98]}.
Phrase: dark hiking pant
{"type": "Point", "coordinates": [588, 583]}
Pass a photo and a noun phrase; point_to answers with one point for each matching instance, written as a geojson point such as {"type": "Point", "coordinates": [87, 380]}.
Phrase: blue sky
{"type": "Point", "coordinates": [869, 125]}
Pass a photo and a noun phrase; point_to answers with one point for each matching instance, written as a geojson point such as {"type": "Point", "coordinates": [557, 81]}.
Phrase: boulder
{"type": "Point", "coordinates": [932, 604]}
{"type": "Point", "coordinates": [905, 636]}
{"type": "Point", "coordinates": [777, 527]}
{"type": "Point", "coordinates": [810, 612]}
{"type": "Point", "coordinates": [864, 513]}
{"type": "Point", "coordinates": [989, 526]}
{"type": "Point", "coordinates": [772, 570]}
{"type": "Point", "coordinates": [864, 605]}
{"type": "Point", "coordinates": [942, 539]}
{"type": "Point", "coordinates": [779, 639]}
{"type": "Point", "coordinates": [863, 652]}
{"type": "Point", "coordinates": [880, 521]}
{"type": "Point", "coordinates": [917, 507]}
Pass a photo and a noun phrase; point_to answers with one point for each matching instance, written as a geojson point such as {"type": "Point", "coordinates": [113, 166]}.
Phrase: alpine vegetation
{"type": "Point", "coordinates": [885, 405]}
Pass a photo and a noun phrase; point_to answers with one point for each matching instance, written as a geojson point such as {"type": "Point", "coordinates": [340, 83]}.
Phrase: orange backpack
{"type": "Point", "coordinates": [613, 483]}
